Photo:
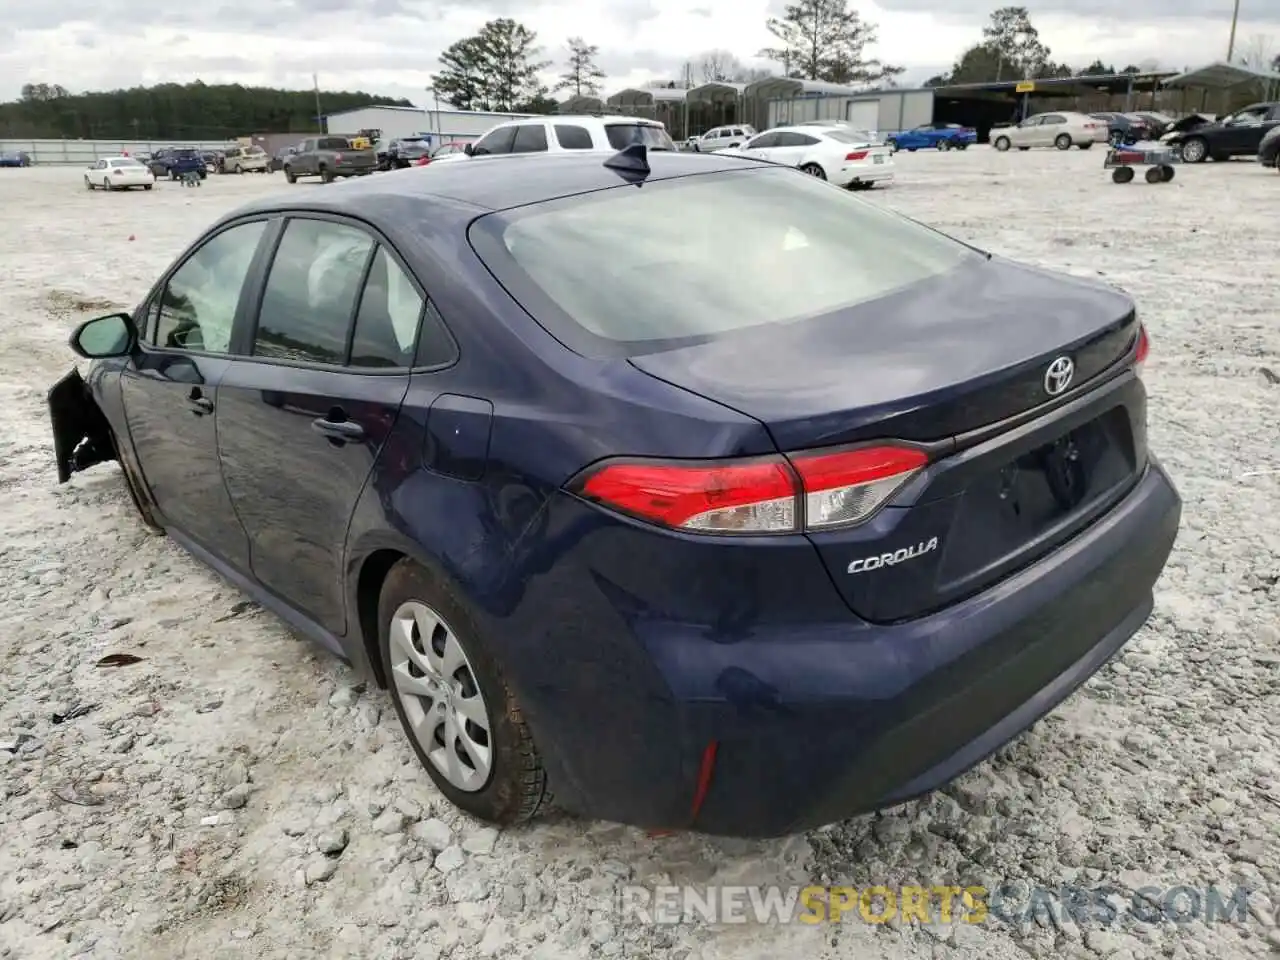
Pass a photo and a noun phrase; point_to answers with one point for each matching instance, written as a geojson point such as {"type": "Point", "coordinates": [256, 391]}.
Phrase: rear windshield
{"type": "Point", "coordinates": [701, 257]}
{"type": "Point", "coordinates": [123, 162]}
{"type": "Point", "coordinates": [333, 143]}
{"type": "Point", "coordinates": [186, 154]}
{"type": "Point", "coordinates": [625, 134]}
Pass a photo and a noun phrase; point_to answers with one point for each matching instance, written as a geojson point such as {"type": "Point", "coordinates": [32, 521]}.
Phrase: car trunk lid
{"type": "Point", "coordinates": [959, 364]}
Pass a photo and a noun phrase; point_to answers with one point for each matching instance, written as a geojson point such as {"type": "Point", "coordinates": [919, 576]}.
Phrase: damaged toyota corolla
{"type": "Point", "coordinates": [691, 489]}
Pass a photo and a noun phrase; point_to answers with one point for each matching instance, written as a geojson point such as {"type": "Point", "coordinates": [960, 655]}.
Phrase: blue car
{"type": "Point", "coordinates": [14, 158]}
{"type": "Point", "coordinates": [934, 136]}
{"type": "Point", "coordinates": [686, 547]}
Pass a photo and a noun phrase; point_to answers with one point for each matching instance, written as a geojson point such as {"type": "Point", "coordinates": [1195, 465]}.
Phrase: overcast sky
{"type": "Point", "coordinates": [390, 46]}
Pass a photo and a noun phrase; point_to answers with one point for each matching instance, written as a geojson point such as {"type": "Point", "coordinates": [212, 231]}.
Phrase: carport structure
{"type": "Point", "coordinates": [1234, 84]}
{"type": "Point", "coordinates": [981, 105]}
{"type": "Point", "coordinates": [713, 104]}
{"type": "Point", "coordinates": [792, 95]}
{"type": "Point", "coordinates": [581, 103]}
{"type": "Point", "coordinates": [660, 103]}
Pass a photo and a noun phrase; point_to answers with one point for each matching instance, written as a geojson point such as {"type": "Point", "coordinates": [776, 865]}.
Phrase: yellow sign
{"type": "Point", "coordinates": [1025, 86]}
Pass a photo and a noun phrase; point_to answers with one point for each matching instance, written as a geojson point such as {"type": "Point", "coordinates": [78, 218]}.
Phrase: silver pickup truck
{"type": "Point", "coordinates": [328, 158]}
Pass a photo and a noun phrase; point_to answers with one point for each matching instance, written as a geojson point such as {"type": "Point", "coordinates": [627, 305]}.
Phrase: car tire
{"type": "Point", "coordinates": [514, 787]}
{"type": "Point", "coordinates": [1086, 145]}
{"type": "Point", "coordinates": [1062, 141]}
{"type": "Point", "coordinates": [962, 146]}
{"type": "Point", "coordinates": [147, 186]}
{"type": "Point", "coordinates": [1195, 150]}
{"type": "Point", "coordinates": [326, 175]}
{"type": "Point", "coordinates": [1002, 144]}
{"type": "Point", "coordinates": [814, 170]}
{"type": "Point", "coordinates": [944, 144]}
{"type": "Point", "coordinates": [288, 175]}
{"type": "Point", "coordinates": [1122, 175]}
{"type": "Point", "coordinates": [88, 184]}
{"type": "Point", "coordinates": [173, 174]}
{"type": "Point", "coordinates": [140, 502]}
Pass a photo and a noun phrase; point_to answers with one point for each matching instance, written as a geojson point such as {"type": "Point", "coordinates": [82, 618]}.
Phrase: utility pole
{"type": "Point", "coordinates": [1231, 43]}
{"type": "Point", "coordinates": [315, 82]}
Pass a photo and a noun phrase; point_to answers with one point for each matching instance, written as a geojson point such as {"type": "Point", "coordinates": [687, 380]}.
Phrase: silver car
{"type": "Point", "coordinates": [1063, 129]}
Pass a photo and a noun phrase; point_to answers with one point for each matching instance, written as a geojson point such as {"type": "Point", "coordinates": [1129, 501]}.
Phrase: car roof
{"type": "Point", "coordinates": [485, 184]}
{"type": "Point", "coordinates": [582, 118]}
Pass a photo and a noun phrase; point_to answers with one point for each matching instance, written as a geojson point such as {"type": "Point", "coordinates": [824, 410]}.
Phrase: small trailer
{"type": "Point", "coordinates": [1159, 163]}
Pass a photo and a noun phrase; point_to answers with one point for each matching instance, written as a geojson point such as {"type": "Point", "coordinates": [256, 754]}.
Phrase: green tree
{"type": "Point", "coordinates": [981, 63]}
{"type": "Point", "coordinates": [825, 40]}
{"type": "Point", "coordinates": [461, 81]}
{"type": "Point", "coordinates": [582, 76]}
{"type": "Point", "coordinates": [509, 64]}
{"type": "Point", "coordinates": [540, 103]}
{"type": "Point", "coordinates": [171, 111]}
{"type": "Point", "coordinates": [1097, 69]}
{"type": "Point", "coordinates": [1011, 34]}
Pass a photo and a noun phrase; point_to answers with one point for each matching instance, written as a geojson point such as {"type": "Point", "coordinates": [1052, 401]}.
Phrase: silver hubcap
{"type": "Point", "coordinates": [1193, 150]}
{"type": "Point", "coordinates": [438, 690]}
{"type": "Point", "coordinates": [814, 171]}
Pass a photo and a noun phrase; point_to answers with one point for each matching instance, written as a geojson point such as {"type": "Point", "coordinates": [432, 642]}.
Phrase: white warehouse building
{"type": "Point", "coordinates": [441, 125]}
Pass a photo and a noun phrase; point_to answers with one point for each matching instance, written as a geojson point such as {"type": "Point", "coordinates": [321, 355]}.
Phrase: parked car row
{"type": "Point", "coordinates": [834, 152]}
{"type": "Point", "coordinates": [1062, 129]}
{"type": "Point", "coordinates": [1238, 135]}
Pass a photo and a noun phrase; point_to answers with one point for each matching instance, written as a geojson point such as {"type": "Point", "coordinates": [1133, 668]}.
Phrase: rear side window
{"type": "Point", "coordinates": [573, 137]}
{"type": "Point", "coordinates": [311, 291]}
{"type": "Point", "coordinates": [623, 135]}
{"type": "Point", "coordinates": [779, 224]}
{"type": "Point", "coordinates": [530, 138]}
{"type": "Point", "coordinates": [387, 323]}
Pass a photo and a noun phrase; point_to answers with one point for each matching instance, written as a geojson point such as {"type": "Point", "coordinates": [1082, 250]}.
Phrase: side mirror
{"type": "Point", "coordinates": [469, 150]}
{"type": "Point", "coordinates": [102, 337]}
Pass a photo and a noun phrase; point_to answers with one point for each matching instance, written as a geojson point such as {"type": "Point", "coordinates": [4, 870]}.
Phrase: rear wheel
{"type": "Point", "coordinates": [1002, 144]}
{"type": "Point", "coordinates": [289, 176]}
{"type": "Point", "coordinates": [1086, 145]}
{"type": "Point", "coordinates": [460, 716]}
{"type": "Point", "coordinates": [326, 175]}
{"type": "Point", "coordinates": [1062, 141]}
{"type": "Point", "coordinates": [146, 186]}
{"type": "Point", "coordinates": [944, 144]}
{"type": "Point", "coordinates": [813, 170]}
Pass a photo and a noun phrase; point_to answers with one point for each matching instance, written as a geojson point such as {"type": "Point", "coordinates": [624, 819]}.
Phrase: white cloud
{"type": "Point", "coordinates": [390, 46]}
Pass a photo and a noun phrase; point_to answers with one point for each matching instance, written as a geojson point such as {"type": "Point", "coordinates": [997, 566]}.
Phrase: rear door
{"type": "Point", "coordinates": [170, 387]}
{"type": "Point", "coordinates": [304, 412]}
{"type": "Point", "coordinates": [530, 138]}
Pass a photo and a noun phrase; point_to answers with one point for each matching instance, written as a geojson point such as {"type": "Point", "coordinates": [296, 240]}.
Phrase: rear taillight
{"type": "Point", "coordinates": [337, 158]}
{"type": "Point", "coordinates": [1144, 347]}
{"type": "Point", "coordinates": [807, 491]}
{"type": "Point", "coordinates": [857, 155]}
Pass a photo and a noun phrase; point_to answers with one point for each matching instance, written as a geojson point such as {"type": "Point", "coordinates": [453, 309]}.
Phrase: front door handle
{"type": "Point", "coordinates": [199, 403]}
{"type": "Point", "coordinates": [338, 429]}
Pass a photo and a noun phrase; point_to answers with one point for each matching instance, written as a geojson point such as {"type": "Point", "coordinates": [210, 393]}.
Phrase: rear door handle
{"type": "Point", "coordinates": [338, 429]}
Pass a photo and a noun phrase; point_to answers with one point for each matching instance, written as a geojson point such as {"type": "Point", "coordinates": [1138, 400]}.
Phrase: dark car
{"type": "Point", "coordinates": [1124, 128]}
{"type": "Point", "coordinates": [1238, 135]}
{"type": "Point", "coordinates": [14, 158]}
{"type": "Point", "coordinates": [176, 162]}
{"type": "Point", "coordinates": [280, 157]}
{"type": "Point", "coordinates": [1269, 148]}
{"type": "Point", "coordinates": [1157, 123]}
{"type": "Point", "coordinates": [724, 552]}
{"type": "Point", "coordinates": [407, 151]}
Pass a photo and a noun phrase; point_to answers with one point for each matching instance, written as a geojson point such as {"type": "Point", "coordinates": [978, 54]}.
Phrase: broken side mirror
{"type": "Point", "coordinates": [469, 150]}
{"type": "Point", "coordinates": [102, 337]}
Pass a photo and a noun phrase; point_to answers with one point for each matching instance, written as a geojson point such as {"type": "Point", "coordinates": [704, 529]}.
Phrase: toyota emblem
{"type": "Point", "coordinates": [1058, 377]}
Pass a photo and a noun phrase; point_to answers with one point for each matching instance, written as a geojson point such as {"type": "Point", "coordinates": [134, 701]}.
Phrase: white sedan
{"type": "Point", "coordinates": [119, 173]}
{"type": "Point", "coordinates": [845, 157]}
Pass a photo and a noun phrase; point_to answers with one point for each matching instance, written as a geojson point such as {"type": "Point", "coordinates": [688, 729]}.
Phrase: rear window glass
{"type": "Point", "coordinates": [334, 143]}
{"type": "Point", "coordinates": [625, 134]}
{"type": "Point", "coordinates": [122, 162]}
{"type": "Point", "coordinates": [185, 154]}
{"type": "Point", "coordinates": [664, 251]}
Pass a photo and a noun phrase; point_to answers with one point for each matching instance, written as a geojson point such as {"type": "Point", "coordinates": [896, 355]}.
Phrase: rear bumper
{"type": "Point", "coordinates": [821, 720]}
{"type": "Point", "coordinates": [869, 173]}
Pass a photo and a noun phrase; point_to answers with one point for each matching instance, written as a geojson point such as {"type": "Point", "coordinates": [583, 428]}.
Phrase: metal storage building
{"type": "Point", "coordinates": [795, 101]}
{"type": "Point", "coordinates": [442, 125]}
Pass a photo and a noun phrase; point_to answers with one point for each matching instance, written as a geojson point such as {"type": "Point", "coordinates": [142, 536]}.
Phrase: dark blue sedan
{"type": "Point", "coordinates": [687, 487]}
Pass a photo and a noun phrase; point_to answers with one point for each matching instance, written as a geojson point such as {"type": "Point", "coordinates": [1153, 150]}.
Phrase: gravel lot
{"type": "Point", "coordinates": [186, 815]}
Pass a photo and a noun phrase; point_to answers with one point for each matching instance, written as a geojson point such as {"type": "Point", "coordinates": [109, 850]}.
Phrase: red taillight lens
{"type": "Point", "coordinates": [1144, 347]}
{"type": "Point", "coordinates": [845, 488]}
{"type": "Point", "coordinates": [337, 158]}
{"type": "Point", "coordinates": [812, 491]}
{"type": "Point", "coordinates": [857, 155]}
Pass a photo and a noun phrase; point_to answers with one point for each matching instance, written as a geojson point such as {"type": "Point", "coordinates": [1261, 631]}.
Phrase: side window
{"type": "Point", "coordinates": [573, 137]}
{"type": "Point", "coordinates": [197, 307]}
{"type": "Point", "coordinates": [762, 141]}
{"type": "Point", "coordinates": [311, 292]}
{"type": "Point", "coordinates": [495, 141]}
{"type": "Point", "coordinates": [1053, 118]}
{"type": "Point", "coordinates": [530, 138]}
{"type": "Point", "coordinates": [713, 134]}
{"type": "Point", "coordinates": [387, 322]}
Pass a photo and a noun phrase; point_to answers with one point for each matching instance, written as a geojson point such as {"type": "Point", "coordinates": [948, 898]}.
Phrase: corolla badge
{"type": "Point", "coordinates": [1058, 377]}
{"type": "Point", "coordinates": [894, 558]}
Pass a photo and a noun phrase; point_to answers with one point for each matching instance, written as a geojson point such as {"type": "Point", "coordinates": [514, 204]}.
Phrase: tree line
{"type": "Point", "coordinates": [172, 111]}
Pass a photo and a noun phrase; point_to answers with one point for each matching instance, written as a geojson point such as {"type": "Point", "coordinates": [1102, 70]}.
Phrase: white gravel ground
{"type": "Point", "coordinates": [185, 816]}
